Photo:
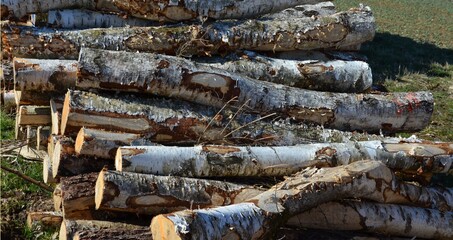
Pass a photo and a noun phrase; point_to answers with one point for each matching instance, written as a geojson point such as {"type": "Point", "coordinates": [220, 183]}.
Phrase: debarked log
{"type": "Point", "coordinates": [181, 78]}
{"type": "Point", "coordinates": [314, 74]}
{"type": "Point", "coordinates": [388, 219]}
{"type": "Point", "coordinates": [162, 11]}
{"type": "Point", "coordinates": [103, 144]}
{"type": "Point", "coordinates": [262, 215]}
{"type": "Point", "coordinates": [335, 31]}
{"type": "Point", "coordinates": [171, 121]}
{"type": "Point", "coordinates": [150, 194]}
{"type": "Point", "coordinates": [70, 227]}
{"type": "Point", "coordinates": [222, 160]}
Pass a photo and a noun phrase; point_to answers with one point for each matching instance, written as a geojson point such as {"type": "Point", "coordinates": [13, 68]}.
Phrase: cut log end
{"type": "Point", "coordinates": [56, 159]}
{"type": "Point", "coordinates": [99, 190]}
{"type": "Point", "coordinates": [65, 112]}
{"type": "Point", "coordinates": [63, 232]}
{"type": "Point", "coordinates": [163, 228]}
{"type": "Point", "coordinates": [80, 140]}
{"type": "Point", "coordinates": [54, 118]}
{"type": "Point", "coordinates": [119, 160]}
{"type": "Point", "coordinates": [47, 170]}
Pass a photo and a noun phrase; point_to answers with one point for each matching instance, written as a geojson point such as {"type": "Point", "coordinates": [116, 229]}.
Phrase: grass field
{"type": "Point", "coordinates": [412, 51]}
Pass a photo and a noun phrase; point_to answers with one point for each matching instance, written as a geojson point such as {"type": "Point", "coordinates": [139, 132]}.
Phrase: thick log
{"type": "Point", "coordinates": [181, 78]}
{"type": "Point", "coordinates": [393, 220]}
{"type": "Point", "coordinates": [269, 33]}
{"type": "Point", "coordinates": [113, 234]}
{"type": "Point", "coordinates": [34, 116]}
{"type": "Point", "coordinates": [103, 144]}
{"type": "Point", "coordinates": [70, 227]}
{"type": "Point", "coordinates": [167, 11]}
{"type": "Point", "coordinates": [83, 19]}
{"type": "Point", "coordinates": [261, 216]}
{"type": "Point", "coordinates": [49, 219]}
{"type": "Point", "coordinates": [149, 194]}
{"type": "Point", "coordinates": [228, 161]}
{"type": "Point", "coordinates": [314, 74]}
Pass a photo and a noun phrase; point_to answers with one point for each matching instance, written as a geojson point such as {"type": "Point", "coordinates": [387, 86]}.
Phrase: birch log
{"type": "Point", "coordinates": [113, 234]}
{"type": "Point", "coordinates": [49, 219]}
{"type": "Point", "coordinates": [162, 11]}
{"type": "Point", "coordinates": [149, 194]}
{"type": "Point", "coordinates": [269, 33]}
{"type": "Point", "coordinates": [34, 116]}
{"type": "Point", "coordinates": [103, 144]}
{"type": "Point", "coordinates": [262, 215]}
{"type": "Point", "coordinates": [228, 161]}
{"type": "Point", "coordinates": [181, 78]}
{"type": "Point", "coordinates": [8, 100]}
{"type": "Point", "coordinates": [177, 122]}
{"type": "Point", "coordinates": [393, 220]}
{"type": "Point", "coordinates": [55, 116]}
{"type": "Point", "coordinates": [314, 74]}
{"type": "Point", "coordinates": [82, 19]}
{"type": "Point", "coordinates": [70, 227]}
{"type": "Point", "coordinates": [57, 197]}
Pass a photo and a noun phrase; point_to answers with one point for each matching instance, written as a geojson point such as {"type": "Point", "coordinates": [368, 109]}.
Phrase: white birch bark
{"type": "Point", "coordinates": [217, 160]}
{"type": "Point", "coordinates": [393, 220]}
{"type": "Point", "coordinates": [181, 78]}
{"type": "Point", "coordinates": [150, 194]}
{"type": "Point", "coordinates": [8, 100]}
{"type": "Point", "coordinates": [113, 234]}
{"type": "Point", "coordinates": [314, 74]}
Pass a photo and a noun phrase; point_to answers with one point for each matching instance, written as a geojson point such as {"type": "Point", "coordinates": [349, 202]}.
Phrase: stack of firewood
{"type": "Point", "coordinates": [218, 120]}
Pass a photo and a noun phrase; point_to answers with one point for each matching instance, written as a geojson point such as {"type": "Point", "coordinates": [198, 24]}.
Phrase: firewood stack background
{"type": "Point", "coordinates": [218, 120]}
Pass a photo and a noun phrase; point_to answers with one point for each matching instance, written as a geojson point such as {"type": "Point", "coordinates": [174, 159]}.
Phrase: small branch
{"type": "Point", "coordinates": [28, 179]}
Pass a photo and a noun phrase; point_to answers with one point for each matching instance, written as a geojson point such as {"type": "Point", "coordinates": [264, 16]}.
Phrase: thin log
{"type": "Point", "coordinates": [314, 74]}
{"type": "Point", "coordinates": [66, 163]}
{"type": "Point", "coordinates": [393, 220]}
{"type": "Point", "coordinates": [55, 116]}
{"type": "Point", "coordinates": [70, 227]}
{"type": "Point", "coordinates": [83, 19]}
{"type": "Point", "coordinates": [47, 171]}
{"type": "Point", "coordinates": [113, 234]}
{"type": "Point", "coordinates": [50, 219]}
{"type": "Point", "coordinates": [34, 116]}
{"type": "Point", "coordinates": [103, 144]}
{"type": "Point", "coordinates": [181, 78]}
{"type": "Point", "coordinates": [178, 122]}
{"type": "Point", "coordinates": [262, 215]}
{"type": "Point", "coordinates": [149, 194]}
{"type": "Point", "coordinates": [164, 11]}
{"type": "Point", "coordinates": [42, 137]}
{"type": "Point", "coordinates": [57, 197]}
{"type": "Point", "coordinates": [27, 178]}
{"type": "Point", "coordinates": [228, 161]}
{"type": "Point", "coordinates": [269, 33]}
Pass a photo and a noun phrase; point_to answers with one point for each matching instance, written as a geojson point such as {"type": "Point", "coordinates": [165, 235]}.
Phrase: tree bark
{"type": "Point", "coordinates": [34, 116]}
{"type": "Point", "coordinates": [269, 33]}
{"type": "Point", "coordinates": [166, 11]}
{"type": "Point", "coordinates": [149, 194]}
{"type": "Point", "coordinates": [113, 234]}
{"type": "Point", "coordinates": [314, 74]}
{"type": "Point", "coordinates": [57, 197]}
{"type": "Point", "coordinates": [393, 220]}
{"type": "Point", "coordinates": [103, 144]}
{"type": "Point", "coordinates": [8, 100]}
{"type": "Point", "coordinates": [70, 227]}
{"type": "Point", "coordinates": [181, 78]}
{"type": "Point", "coordinates": [260, 216]}
{"type": "Point", "coordinates": [178, 122]}
{"type": "Point", "coordinates": [52, 219]}
{"type": "Point", "coordinates": [228, 161]}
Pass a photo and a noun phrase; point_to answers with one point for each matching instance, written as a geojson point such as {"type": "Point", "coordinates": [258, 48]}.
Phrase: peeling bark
{"type": "Point", "coordinates": [149, 194]}
{"type": "Point", "coordinates": [181, 78]}
{"type": "Point", "coordinates": [82, 19]}
{"type": "Point", "coordinates": [70, 227]}
{"type": "Point", "coordinates": [113, 234]}
{"type": "Point", "coordinates": [164, 11]}
{"type": "Point", "coordinates": [33, 116]}
{"type": "Point", "coordinates": [269, 33]}
{"type": "Point", "coordinates": [393, 220]}
{"type": "Point", "coordinates": [313, 74]}
{"type": "Point", "coordinates": [263, 214]}
{"type": "Point", "coordinates": [228, 161]}
{"type": "Point", "coordinates": [103, 144]}
{"type": "Point", "coordinates": [52, 219]}
{"type": "Point", "coordinates": [178, 122]}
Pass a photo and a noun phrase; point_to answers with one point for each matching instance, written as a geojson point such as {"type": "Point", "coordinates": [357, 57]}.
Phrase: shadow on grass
{"type": "Point", "coordinates": [391, 56]}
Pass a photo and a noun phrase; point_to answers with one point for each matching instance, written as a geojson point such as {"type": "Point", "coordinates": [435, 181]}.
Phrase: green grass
{"type": "Point", "coordinates": [6, 126]}
{"type": "Point", "coordinates": [413, 51]}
